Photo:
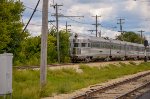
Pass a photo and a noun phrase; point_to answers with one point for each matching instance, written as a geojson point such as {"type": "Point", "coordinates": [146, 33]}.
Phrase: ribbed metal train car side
{"type": "Point", "coordinates": [100, 48]}
{"type": "Point", "coordinates": [88, 48]}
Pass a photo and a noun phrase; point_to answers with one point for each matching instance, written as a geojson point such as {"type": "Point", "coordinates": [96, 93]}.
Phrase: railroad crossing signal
{"type": "Point", "coordinates": [145, 44]}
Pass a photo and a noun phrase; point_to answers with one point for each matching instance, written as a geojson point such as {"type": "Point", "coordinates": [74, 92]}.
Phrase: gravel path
{"type": "Point", "coordinates": [95, 64]}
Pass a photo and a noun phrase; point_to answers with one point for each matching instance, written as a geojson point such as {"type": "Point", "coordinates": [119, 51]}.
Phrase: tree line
{"type": "Point", "coordinates": [25, 48]}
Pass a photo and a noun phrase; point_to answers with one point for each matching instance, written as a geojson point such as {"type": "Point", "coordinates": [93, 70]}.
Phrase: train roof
{"type": "Point", "coordinates": [93, 38]}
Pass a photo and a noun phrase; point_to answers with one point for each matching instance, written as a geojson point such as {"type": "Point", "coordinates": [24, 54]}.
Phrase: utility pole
{"type": "Point", "coordinates": [96, 24]}
{"type": "Point", "coordinates": [121, 30]}
{"type": "Point", "coordinates": [120, 22]}
{"type": "Point", "coordinates": [141, 31]}
{"type": "Point", "coordinates": [43, 63]}
{"type": "Point", "coordinates": [100, 33]}
{"type": "Point", "coordinates": [57, 25]}
{"type": "Point", "coordinates": [57, 30]}
{"type": "Point", "coordinates": [67, 27]}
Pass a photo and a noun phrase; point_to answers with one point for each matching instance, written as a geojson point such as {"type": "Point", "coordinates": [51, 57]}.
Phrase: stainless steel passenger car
{"type": "Point", "coordinates": [88, 48]}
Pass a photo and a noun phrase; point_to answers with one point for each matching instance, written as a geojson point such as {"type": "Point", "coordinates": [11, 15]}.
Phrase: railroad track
{"type": "Point", "coordinates": [63, 64]}
{"type": "Point", "coordinates": [34, 67]}
{"type": "Point", "coordinates": [137, 92]}
{"type": "Point", "coordinates": [119, 90]}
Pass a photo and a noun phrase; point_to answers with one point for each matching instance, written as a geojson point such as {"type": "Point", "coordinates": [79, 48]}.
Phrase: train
{"type": "Point", "coordinates": [89, 48]}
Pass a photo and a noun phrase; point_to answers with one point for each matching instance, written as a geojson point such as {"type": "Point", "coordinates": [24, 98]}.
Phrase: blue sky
{"type": "Point", "coordinates": [135, 13]}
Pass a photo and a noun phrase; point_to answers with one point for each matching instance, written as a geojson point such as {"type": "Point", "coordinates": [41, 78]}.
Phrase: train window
{"type": "Point", "coordinates": [97, 45]}
{"type": "Point", "coordinates": [83, 44]}
{"type": "Point", "coordinates": [100, 44]}
{"type": "Point", "coordinates": [93, 44]}
{"type": "Point", "coordinates": [89, 45]}
{"type": "Point", "coordinates": [106, 45]}
{"type": "Point", "coordinates": [137, 48]}
{"type": "Point", "coordinates": [76, 44]}
{"type": "Point", "coordinates": [122, 47]}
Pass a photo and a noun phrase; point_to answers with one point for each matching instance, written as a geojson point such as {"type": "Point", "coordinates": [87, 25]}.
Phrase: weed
{"type": "Point", "coordinates": [26, 82]}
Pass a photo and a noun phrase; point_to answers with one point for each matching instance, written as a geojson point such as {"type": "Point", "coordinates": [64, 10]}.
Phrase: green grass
{"type": "Point", "coordinates": [26, 82]}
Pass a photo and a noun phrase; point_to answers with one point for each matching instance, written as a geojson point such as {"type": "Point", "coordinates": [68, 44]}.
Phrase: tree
{"type": "Point", "coordinates": [130, 37]}
{"type": "Point", "coordinates": [52, 46]}
{"type": "Point", "coordinates": [64, 46]}
{"type": "Point", "coordinates": [11, 34]}
{"type": "Point", "coordinates": [29, 53]}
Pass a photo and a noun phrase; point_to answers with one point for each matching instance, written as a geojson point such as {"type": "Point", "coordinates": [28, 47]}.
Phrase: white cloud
{"type": "Point", "coordinates": [132, 11]}
{"type": "Point", "coordinates": [131, 5]}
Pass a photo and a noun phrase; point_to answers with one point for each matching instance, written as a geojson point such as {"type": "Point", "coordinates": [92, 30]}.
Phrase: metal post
{"type": "Point", "coordinates": [141, 35]}
{"type": "Point", "coordinates": [66, 27]}
{"type": "Point", "coordinates": [96, 25]}
{"type": "Point", "coordinates": [43, 64]}
{"type": "Point", "coordinates": [145, 58]}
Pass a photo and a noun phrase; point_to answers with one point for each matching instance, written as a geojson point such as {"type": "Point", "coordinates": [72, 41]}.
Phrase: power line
{"type": "Point", "coordinates": [31, 16]}
{"type": "Point", "coordinates": [36, 9]}
{"type": "Point", "coordinates": [79, 21]}
{"type": "Point", "coordinates": [41, 12]}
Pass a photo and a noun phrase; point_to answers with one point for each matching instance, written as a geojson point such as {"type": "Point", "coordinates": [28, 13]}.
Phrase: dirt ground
{"type": "Point", "coordinates": [95, 64]}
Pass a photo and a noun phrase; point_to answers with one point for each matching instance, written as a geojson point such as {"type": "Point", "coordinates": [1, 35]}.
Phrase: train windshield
{"type": "Point", "coordinates": [76, 44]}
{"type": "Point", "coordinates": [84, 44]}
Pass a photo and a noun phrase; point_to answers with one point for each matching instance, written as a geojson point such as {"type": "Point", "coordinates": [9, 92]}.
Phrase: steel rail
{"type": "Point", "coordinates": [91, 93]}
{"type": "Point", "coordinates": [134, 90]}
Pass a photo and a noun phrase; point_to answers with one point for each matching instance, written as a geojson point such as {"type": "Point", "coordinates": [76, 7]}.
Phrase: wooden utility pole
{"type": "Point", "coordinates": [141, 31]}
{"type": "Point", "coordinates": [57, 27]}
{"type": "Point", "coordinates": [67, 27]}
{"type": "Point", "coordinates": [43, 64]}
{"type": "Point", "coordinates": [58, 47]}
{"type": "Point", "coordinates": [120, 23]}
{"type": "Point", "coordinates": [121, 28]}
{"type": "Point", "coordinates": [57, 30]}
{"type": "Point", "coordinates": [100, 33]}
{"type": "Point", "coordinates": [96, 24]}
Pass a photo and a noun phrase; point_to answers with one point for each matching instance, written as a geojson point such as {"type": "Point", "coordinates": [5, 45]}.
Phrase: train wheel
{"type": "Point", "coordinates": [107, 59]}
{"type": "Point", "coordinates": [135, 58]}
{"type": "Point", "coordinates": [87, 60]}
{"type": "Point", "coordinates": [123, 58]}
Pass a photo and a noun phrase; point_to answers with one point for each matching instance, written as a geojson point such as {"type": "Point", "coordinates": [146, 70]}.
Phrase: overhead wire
{"type": "Point", "coordinates": [51, 23]}
{"type": "Point", "coordinates": [31, 16]}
